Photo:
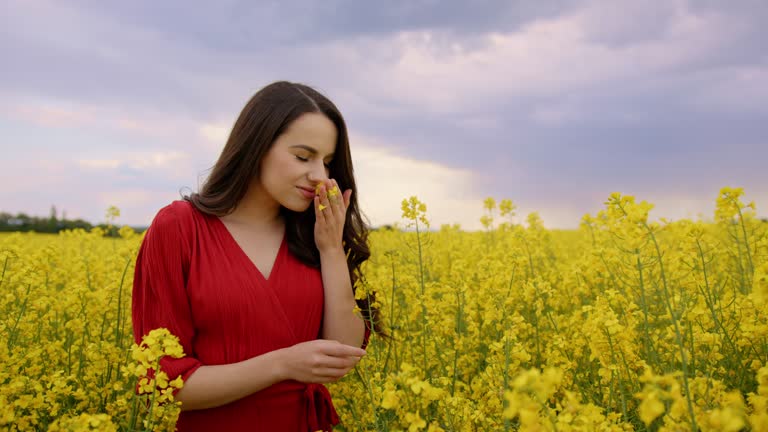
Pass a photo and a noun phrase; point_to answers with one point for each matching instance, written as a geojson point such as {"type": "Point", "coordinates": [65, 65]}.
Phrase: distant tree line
{"type": "Point", "coordinates": [22, 222]}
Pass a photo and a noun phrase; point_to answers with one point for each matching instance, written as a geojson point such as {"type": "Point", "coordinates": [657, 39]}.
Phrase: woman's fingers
{"type": "Point", "coordinates": [319, 215]}
{"type": "Point", "coordinates": [331, 201]}
{"type": "Point", "coordinates": [324, 204]}
{"type": "Point", "coordinates": [338, 349]}
{"type": "Point", "coordinates": [336, 200]}
{"type": "Point", "coordinates": [340, 362]}
{"type": "Point", "coordinates": [323, 361]}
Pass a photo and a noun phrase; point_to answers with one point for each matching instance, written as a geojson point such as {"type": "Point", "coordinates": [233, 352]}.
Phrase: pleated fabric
{"type": "Point", "coordinates": [194, 279]}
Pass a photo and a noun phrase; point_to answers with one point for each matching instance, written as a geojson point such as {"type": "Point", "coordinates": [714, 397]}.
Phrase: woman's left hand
{"type": "Point", "coordinates": [329, 222]}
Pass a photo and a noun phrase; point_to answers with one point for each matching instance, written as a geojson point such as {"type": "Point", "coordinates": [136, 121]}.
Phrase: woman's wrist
{"type": "Point", "coordinates": [278, 364]}
{"type": "Point", "coordinates": [330, 251]}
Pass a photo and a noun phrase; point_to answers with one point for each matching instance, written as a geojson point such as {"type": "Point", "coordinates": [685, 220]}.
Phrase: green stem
{"type": "Point", "coordinates": [709, 299]}
{"type": "Point", "coordinates": [5, 267]}
{"type": "Point", "coordinates": [423, 303]}
{"type": "Point", "coordinates": [620, 382]}
{"type": "Point", "coordinates": [391, 317]}
{"type": "Point", "coordinates": [458, 336]}
{"type": "Point", "coordinates": [120, 317]}
{"type": "Point", "coordinates": [751, 268]}
{"type": "Point", "coordinates": [152, 398]}
{"type": "Point", "coordinates": [678, 335]}
{"type": "Point", "coordinates": [647, 342]}
{"type": "Point", "coordinates": [507, 422]}
{"type": "Point", "coordinates": [374, 405]}
{"type": "Point", "coordinates": [23, 309]}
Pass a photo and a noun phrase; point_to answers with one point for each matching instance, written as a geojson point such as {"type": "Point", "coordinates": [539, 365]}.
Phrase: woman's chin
{"type": "Point", "coordinates": [298, 208]}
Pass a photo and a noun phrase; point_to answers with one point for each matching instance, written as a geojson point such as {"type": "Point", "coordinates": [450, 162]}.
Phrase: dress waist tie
{"type": "Point", "coordinates": [321, 414]}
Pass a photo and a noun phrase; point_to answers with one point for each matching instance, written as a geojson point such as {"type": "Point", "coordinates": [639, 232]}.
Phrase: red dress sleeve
{"type": "Point", "coordinates": [159, 289]}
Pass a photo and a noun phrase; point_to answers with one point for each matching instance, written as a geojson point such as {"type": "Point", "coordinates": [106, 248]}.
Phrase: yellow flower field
{"type": "Point", "coordinates": [624, 324]}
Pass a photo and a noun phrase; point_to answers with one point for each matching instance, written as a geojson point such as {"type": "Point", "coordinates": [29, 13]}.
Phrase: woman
{"type": "Point", "coordinates": [254, 273]}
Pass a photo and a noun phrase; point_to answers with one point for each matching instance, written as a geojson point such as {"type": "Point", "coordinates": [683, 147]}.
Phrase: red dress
{"type": "Point", "coordinates": [192, 278]}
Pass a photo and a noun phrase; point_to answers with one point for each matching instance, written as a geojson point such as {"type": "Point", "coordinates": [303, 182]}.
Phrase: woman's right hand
{"type": "Point", "coordinates": [319, 361]}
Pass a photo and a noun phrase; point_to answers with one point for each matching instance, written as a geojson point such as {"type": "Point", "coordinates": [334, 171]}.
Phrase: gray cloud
{"type": "Point", "coordinates": [238, 25]}
{"type": "Point", "coordinates": [548, 102]}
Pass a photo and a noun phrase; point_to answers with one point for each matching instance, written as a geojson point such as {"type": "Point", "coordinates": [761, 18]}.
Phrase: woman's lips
{"type": "Point", "coordinates": [308, 194]}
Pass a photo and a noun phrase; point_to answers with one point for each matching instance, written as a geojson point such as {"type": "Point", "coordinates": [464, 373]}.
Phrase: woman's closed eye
{"type": "Point", "coordinates": [303, 159]}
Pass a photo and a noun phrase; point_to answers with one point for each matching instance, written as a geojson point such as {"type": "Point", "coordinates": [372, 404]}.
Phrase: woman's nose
{"type": "Point", "coordinates": [318, 174]}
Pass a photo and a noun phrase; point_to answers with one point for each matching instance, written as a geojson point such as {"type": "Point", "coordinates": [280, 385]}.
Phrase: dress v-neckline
{"type": "Point", "coordinates": [275, 263]}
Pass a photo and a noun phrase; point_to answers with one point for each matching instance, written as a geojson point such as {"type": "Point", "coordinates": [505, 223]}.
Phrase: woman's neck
{"type": "Point", "coordinates": [258, 210]}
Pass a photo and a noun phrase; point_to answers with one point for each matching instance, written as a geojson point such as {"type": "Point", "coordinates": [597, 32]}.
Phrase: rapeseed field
{"type": "Point", "coordinates": [624, 324]}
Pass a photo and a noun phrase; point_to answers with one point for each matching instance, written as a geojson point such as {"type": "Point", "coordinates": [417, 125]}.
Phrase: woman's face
{"type": "Point", "coordinates": [298, 160]}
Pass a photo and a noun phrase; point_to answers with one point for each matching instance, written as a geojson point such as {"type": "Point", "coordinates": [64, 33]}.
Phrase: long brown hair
{"type": "Point", "coordinates": [263, 119]}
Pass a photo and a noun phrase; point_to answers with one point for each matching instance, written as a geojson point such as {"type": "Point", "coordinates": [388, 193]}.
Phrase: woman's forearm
{"type": "Point", "coordinates": [216, 385]}
{"type": "Point", "coordinates": [340, 323]}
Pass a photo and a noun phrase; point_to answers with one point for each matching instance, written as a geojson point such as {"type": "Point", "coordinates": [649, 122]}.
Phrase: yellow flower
{"type": "Point", "coordinates": [650, 408]}
{"type": "Point", "coordinates": [507, 208]}
{"type": "Point", "coordinates": [489, 203]}
{"type": "Point", "coordinates": [415, 422]}
{"type": "Point", "coordinates": [390, 400]}
{"type": "Point", "coordinates": [726, 420]}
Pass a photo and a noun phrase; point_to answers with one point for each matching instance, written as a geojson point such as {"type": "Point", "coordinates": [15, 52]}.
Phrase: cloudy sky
{"type": "Point", "coordinates": [552, 104]}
